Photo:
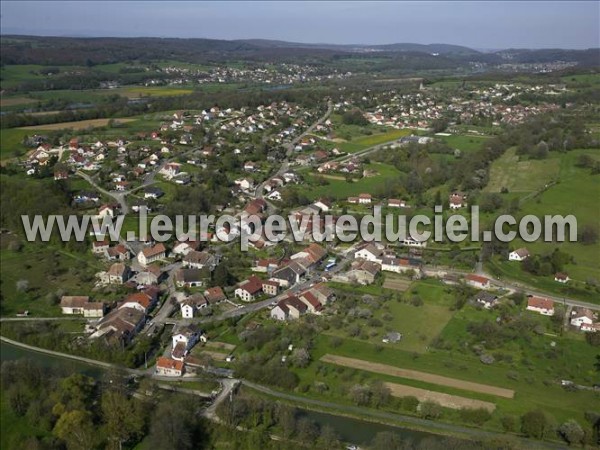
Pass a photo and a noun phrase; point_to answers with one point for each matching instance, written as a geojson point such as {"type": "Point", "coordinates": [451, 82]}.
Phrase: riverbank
{"type": "Point", "coordinates": [396, 422]}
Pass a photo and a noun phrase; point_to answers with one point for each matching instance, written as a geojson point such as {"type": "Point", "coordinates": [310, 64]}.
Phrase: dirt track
{"type": "Point", "coordinates": [445, 400]}
{"type": "Point", "coordinates": [416, 375]}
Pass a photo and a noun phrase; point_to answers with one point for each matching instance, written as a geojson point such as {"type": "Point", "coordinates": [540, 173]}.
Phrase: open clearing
{"type": "Point", "coordinates": [445, 400]}
{"type": "Point", "coordinates": [416, 375]}
{"type": "Point", "coordinates": [15, 101]}
{"type": "Point", "coordinates": [521, 176]}
{"type": "Point", "coordinates": [215, 355]}
{"type": "Point", "coordinates": [396, 284]}
{"type": "Point", "coordinates": [78, 125]}
{"type": "Point", "coordinates": [220, 345]}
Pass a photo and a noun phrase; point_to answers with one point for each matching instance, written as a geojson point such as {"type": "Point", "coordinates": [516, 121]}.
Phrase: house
{"type": "Point", "coordinates": [323, 204]}
{"type": "Point", "coordinates": [398, 265]}
{"type": "Point", "coordinates": [81, 305]}
{"type": "Point", "coordinates": [120, 325]}
{"type": "Point", "coordinates": [478, 281]}
{"type": "Point", "coordinates": [153, 192]}
{"type": "Point", "coordinates": [395, 203]}
{"type": "Point", "coordinates": [561, 277]}
{"type": "Point", "coordinates": [249, 289]}
{"type": "Point", "coordinates": [288, 275]}
{"type": "Point", "coordinates": [152, 254]}
{"type": "Point", "coordinates": [364, 199]}
{"type": "Point", "coordinates": [168, 367]}
{"type": "Point", "coordinates": [296, 307]}
{"type": "Point", "coordinates": [71, 304]}
{"type": "Point", "coordinates": [370, 252]}
{"type": "Point", "coordinates": [192, 304]}
{"type": "Point", "coordinates": [457, 200]}
{"type": "Point", "coordinates": [185, 247]}
{"type": "Point", "coordinates": [105, 210]}
{"type": "Point", "coordinates": [61, 174]}
{"type": "Point", "coordinates": [363, 272]}
{"type": "Point", "coordinates": [150, 275]}
{"type": "Point", "coordinates": [540, 305]}
{"type": "Point", "coordinates": [100, 247]}
{"type": "Point", "coordinates": [118, 252]}
{"type": "Point", "coordinates": [199, 260]}
{"type": "Point", "coordinates": [188, 277]}
{"type": "Point", "coordinates": [245, 184]}
{"type": "Point", "coordinates": [311, 301]}
{"type": "Point", "coordinates": [312, 254]}
{"type": "Point", "coordinates": [118, 273]}
{"type": "Point", "coordinates": [323, 293]}
{"type": "Point", "coordinates": [485, 299]}
{"type": "Point", "coordinates": [582, 317]}
{"type": "Point", "coordinates": [281, 311]}
{"type": "Point", "coordinates": [184, 340]}
{"type": "Point", "coordinates": [392, 337]}
{"type": "Point", "coordinates": [214, 295]}
{"type": "Point", "coordinates": [142, 301]}
{"type": "Point", "coordinates": [249, 166]}
{"type": "Point", "coordinates": [518, 255]}
{"type": "Point", "coordinates": [270, 287]}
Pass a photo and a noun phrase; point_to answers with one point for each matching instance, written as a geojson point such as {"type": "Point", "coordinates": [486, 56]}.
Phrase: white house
{"type": "Point", "coordinates": [580, 317]}
{"type": "Point", "coordinates": [478, 281]}
{"type": "Point", "coordinates": [370, 253]}
{"type": "Point", "coordinates": [249, 289]}
{"type": "Point", "coordinates": [518, 255]}
{"type": "Point", "coordinates": [152, 254]}
{"type": "Point", "coordinates": [561, 278]}
{"type": "Point", "coordinates": [540, 305]}
{"type": "Point", "coordinates": [168, 367]}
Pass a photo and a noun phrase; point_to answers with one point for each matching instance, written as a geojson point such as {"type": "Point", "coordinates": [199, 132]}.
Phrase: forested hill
{"type": "Point", "coordinates": [105, 50]}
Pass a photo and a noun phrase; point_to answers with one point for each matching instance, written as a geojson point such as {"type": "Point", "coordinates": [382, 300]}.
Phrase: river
{"type": "Point", "coordinates": [349, 430]}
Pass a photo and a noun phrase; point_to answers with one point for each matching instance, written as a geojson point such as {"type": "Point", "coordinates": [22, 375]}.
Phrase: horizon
{"type": "Point", "coordinates": [484, 26]}
{"type": "Point", "coordinates": [249, 39]}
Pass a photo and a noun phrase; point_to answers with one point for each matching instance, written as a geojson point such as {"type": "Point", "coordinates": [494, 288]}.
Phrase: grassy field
{"type": "Point", "coordinates": [417, 375]}
{"type": "Point", "coordinates": [576, 192]}
{"type": "Point", "coordinates": [15, 101]}
{"type": "Point", "coordinates": [406, 318]}
{"type": "Point", "coordinates": [524, 176]}
{"type": "Point", "coordinates": [78, 125]}
{"type": "Point", "coordinates": [47, 270]}
{"type": "Point", "coordinates": [341, 189]}
{"type": "Point", "coordinates": [464, 143]}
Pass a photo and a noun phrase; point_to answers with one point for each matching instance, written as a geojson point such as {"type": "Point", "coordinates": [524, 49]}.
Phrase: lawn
{"type": "Point", "coordinates": [535, 385]}
{"type": "Point", "coordinates": [576, 192]}
{"type": "Point", "coordinates": [77, 125]}
{"type": "Point", "coordinates": [11, 142]}
{"type": "Point", "coordinates": [46, 270]}
{"type": "Point", "coordinates": [341, 189]}
{"type": "Point", "coordinates": [522, 176]}
{"type": "Point", "coordinates": [464, 143]}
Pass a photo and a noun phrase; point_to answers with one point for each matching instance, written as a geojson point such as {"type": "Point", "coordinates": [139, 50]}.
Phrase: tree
{"type": "Point", "coordinates": [535, 424]}
{"type": "Point", "coordinates": [509, 423]}
{"type": "Point", "coordinates": [430, 410]}
{"type": "Point", "coordinates": [360, 394]}
{"type": "Point", "coordinates": [380, 393]}
{"type": "Point", "coordinates": [300, 357]}
{"type": "Point", "coordinates": [571, 432]}
{"type": "Point", "coordinates": [171, 426]}
{"type": "Point", "coordinates": [410, 403]}
{"type": "Point", "coordinates": [76, 429]}
{"type": "Point", "coordinates": [328, 439]}
{"type": "Point", "coordinates": [589, 235]}
{"type": "Point", "coordinates": [123, 420]}
{"type": "Point", "coordinates": [386, 440]}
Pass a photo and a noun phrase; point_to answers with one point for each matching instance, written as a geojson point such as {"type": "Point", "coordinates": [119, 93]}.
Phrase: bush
{"type": "Point", "coordinates": [430, 410]}
{"type": "Point", "coordinates": [571, 432]}
{"type": "Point", "coordinates": [535, 424]}
{"type": "Point", "coordinates": [409, 403]}
{"type": "Point", "coordinates": [477, 416]}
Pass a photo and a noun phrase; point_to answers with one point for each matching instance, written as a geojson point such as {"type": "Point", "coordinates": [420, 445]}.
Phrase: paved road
{"type": "Point", "coordinates": [118, 196]}
{"type": "Point", "coordinates": [290, 149]}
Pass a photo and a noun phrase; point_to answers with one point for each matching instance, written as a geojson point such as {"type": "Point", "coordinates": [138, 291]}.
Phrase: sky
{"type": "Point", "coordinates": [476, 24]}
